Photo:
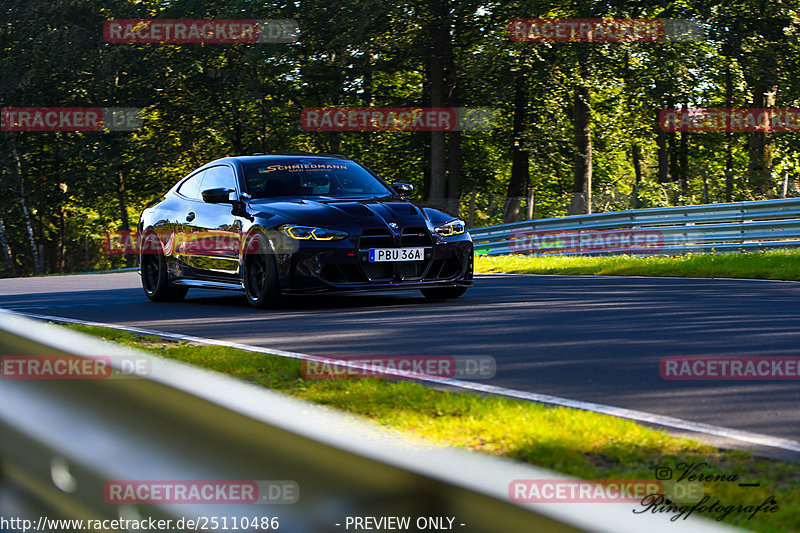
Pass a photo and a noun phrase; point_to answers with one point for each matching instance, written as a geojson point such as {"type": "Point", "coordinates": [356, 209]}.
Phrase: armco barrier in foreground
{"type": "Point", "coordinates": [62, 442]}
{"type": "Point", "coordinates": [734, 227]}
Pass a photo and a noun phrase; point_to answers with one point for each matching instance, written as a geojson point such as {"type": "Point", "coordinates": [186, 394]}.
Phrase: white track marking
{"type": "Point", "coordinates": [621, 412]}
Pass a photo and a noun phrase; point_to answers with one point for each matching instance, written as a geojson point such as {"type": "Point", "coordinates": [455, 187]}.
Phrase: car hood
{"type": "Point", "coordinates": [344, 212]}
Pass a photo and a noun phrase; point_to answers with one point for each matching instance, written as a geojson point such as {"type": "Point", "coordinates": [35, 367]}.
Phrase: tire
{"type": "Point", "coordinates": [155, 281]}
{"type": "Point", "coordinates": [260, 277]}
{"type": "Point", "coordinates": [446, 293]}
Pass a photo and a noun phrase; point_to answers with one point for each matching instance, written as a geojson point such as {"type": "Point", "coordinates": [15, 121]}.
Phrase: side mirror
{"type": "Point", "coordinates": [217, 196]}
{"type": "Point", "coordinates": [403, 189]}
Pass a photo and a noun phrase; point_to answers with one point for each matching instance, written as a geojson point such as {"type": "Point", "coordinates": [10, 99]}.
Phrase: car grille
{"type": "Point", "coordinates": [417, 237]}
{"type": "Point", "coordinates": [376, 238]}
{"type": "Point", "coordinates": [412, 236]}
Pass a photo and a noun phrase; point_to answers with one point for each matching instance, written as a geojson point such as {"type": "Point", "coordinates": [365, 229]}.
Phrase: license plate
{"type": "Point", "coordinates": [383, 255]}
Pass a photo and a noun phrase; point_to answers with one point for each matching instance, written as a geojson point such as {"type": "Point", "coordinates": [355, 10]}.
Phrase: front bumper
{"type": "Point", "coordinates": [344, 265]}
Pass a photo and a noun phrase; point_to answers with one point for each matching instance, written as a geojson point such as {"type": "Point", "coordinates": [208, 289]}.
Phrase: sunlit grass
{"type": "Point", "coordinates": [784, 264]}
{"type": "Point", "coordinates": [580, 443]}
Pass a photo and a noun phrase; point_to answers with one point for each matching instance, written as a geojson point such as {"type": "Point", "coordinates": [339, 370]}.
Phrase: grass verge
{"type": "Point", "coordinates": [782, 264]}
{"type": "Point", "coordinates": [579, 443]}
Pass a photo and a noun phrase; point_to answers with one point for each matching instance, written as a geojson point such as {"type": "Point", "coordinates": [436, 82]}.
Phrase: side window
{"type": "Point", "coordinates": [220, 177]}
{"type": "Point", "coordinates": [191, 187]}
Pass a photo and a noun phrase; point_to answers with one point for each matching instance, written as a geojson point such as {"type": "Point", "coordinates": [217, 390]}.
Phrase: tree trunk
{"type": "Point", "coordinates": [637, 170]}
{"type": "Point", "coordinates": [123, 202]}
{"type": "Point", "coordinates": [471, 218]}
{"type": "Point", "coordinates": [759, 168]}
{"type": "Point", "coordinates": [728, 138]}
{"type": "Point", "coordinates": [674, 167]}
{"type": "Point", "coordinates": [61, 239]}
{"type": "Point", "coordinates": [123, 214]}
{"type": "Point", "coordinates": [519, 157]}
{"type": "Point", "coordinates": [784, 183]}
{"type": "Point", "coordinates": [437, 178]}
{"type": "Point", "coordinates": [438, 40]}
{"type": "Point", "coordinates": [453, 137]}
{"type": "Point", "coordinates": [453, 158]}
{"type": "Point", "coordinates": [582, 115]}
{"type": "Point", "coordinates": [454, 172]}
{"type": "Point", "coordinates": [5, 248]}
{"type": "Point", "coordinates": [531, 204]}
{"type": "Point", "coordinates": [663, 156]}
{"type": "Point", "coordinates": [683, 163]}
{"type": "Point", "coordinates": [426, 173]}
{"type": "Point", "coordinates": [25, 213]}
{"type": "Point", "coordinates": [672, 151]}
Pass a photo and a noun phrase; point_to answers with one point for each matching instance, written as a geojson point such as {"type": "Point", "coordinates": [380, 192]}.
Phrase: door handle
{"type": "Point", "coordinates": [190, 216]}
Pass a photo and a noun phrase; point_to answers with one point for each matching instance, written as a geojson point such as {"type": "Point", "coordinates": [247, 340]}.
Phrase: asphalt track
{"type": "Point", "coordinates": [594, 339]}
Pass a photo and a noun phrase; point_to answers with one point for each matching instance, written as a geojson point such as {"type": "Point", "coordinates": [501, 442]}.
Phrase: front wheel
{"type": "Point", "coordinates": [260, 275]}
{"type": "Point", "coordinates": [446, 293]}
{"type": "Point", "coordinates": [155, 281]}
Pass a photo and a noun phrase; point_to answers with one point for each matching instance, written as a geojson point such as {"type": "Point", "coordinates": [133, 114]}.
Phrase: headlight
{"type": "Point", "coordinates": [454, 227]}
{"type": "Point", "coordinates": [306, 233]}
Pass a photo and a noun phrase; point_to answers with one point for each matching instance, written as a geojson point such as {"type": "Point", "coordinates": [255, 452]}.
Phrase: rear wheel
{"type": "Point", "coordinates": [260, 274]}
{"type": "Point", "coordinates": [155, 281]}
{"type": "Point", "coordinates": [445, 293]}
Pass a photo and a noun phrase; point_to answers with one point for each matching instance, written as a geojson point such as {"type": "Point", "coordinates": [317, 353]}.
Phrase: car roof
{"type": "Point", "coordinates": [255, 158]}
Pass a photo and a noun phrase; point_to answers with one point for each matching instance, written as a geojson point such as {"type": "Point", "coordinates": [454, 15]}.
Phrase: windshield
{"type": "Point", "coordinates": [310, 177]}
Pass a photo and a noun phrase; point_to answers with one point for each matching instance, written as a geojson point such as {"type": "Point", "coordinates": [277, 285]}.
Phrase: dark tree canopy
{"type": "Point", "coordinates": [576, 122]}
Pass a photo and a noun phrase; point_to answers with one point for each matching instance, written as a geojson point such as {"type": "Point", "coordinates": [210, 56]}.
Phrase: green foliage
{"type": "Point", "coordinates": [203, 101]}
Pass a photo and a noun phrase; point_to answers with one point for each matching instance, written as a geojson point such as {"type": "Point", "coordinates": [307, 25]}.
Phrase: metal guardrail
{"type": "Point", "coordinates": [62, 440]}
{"type": "Point", "coordinates": [733, 227]}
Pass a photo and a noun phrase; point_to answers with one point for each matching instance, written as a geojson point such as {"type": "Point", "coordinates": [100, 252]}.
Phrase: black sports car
{"type": "Point", "coordinates": [272, 224]}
